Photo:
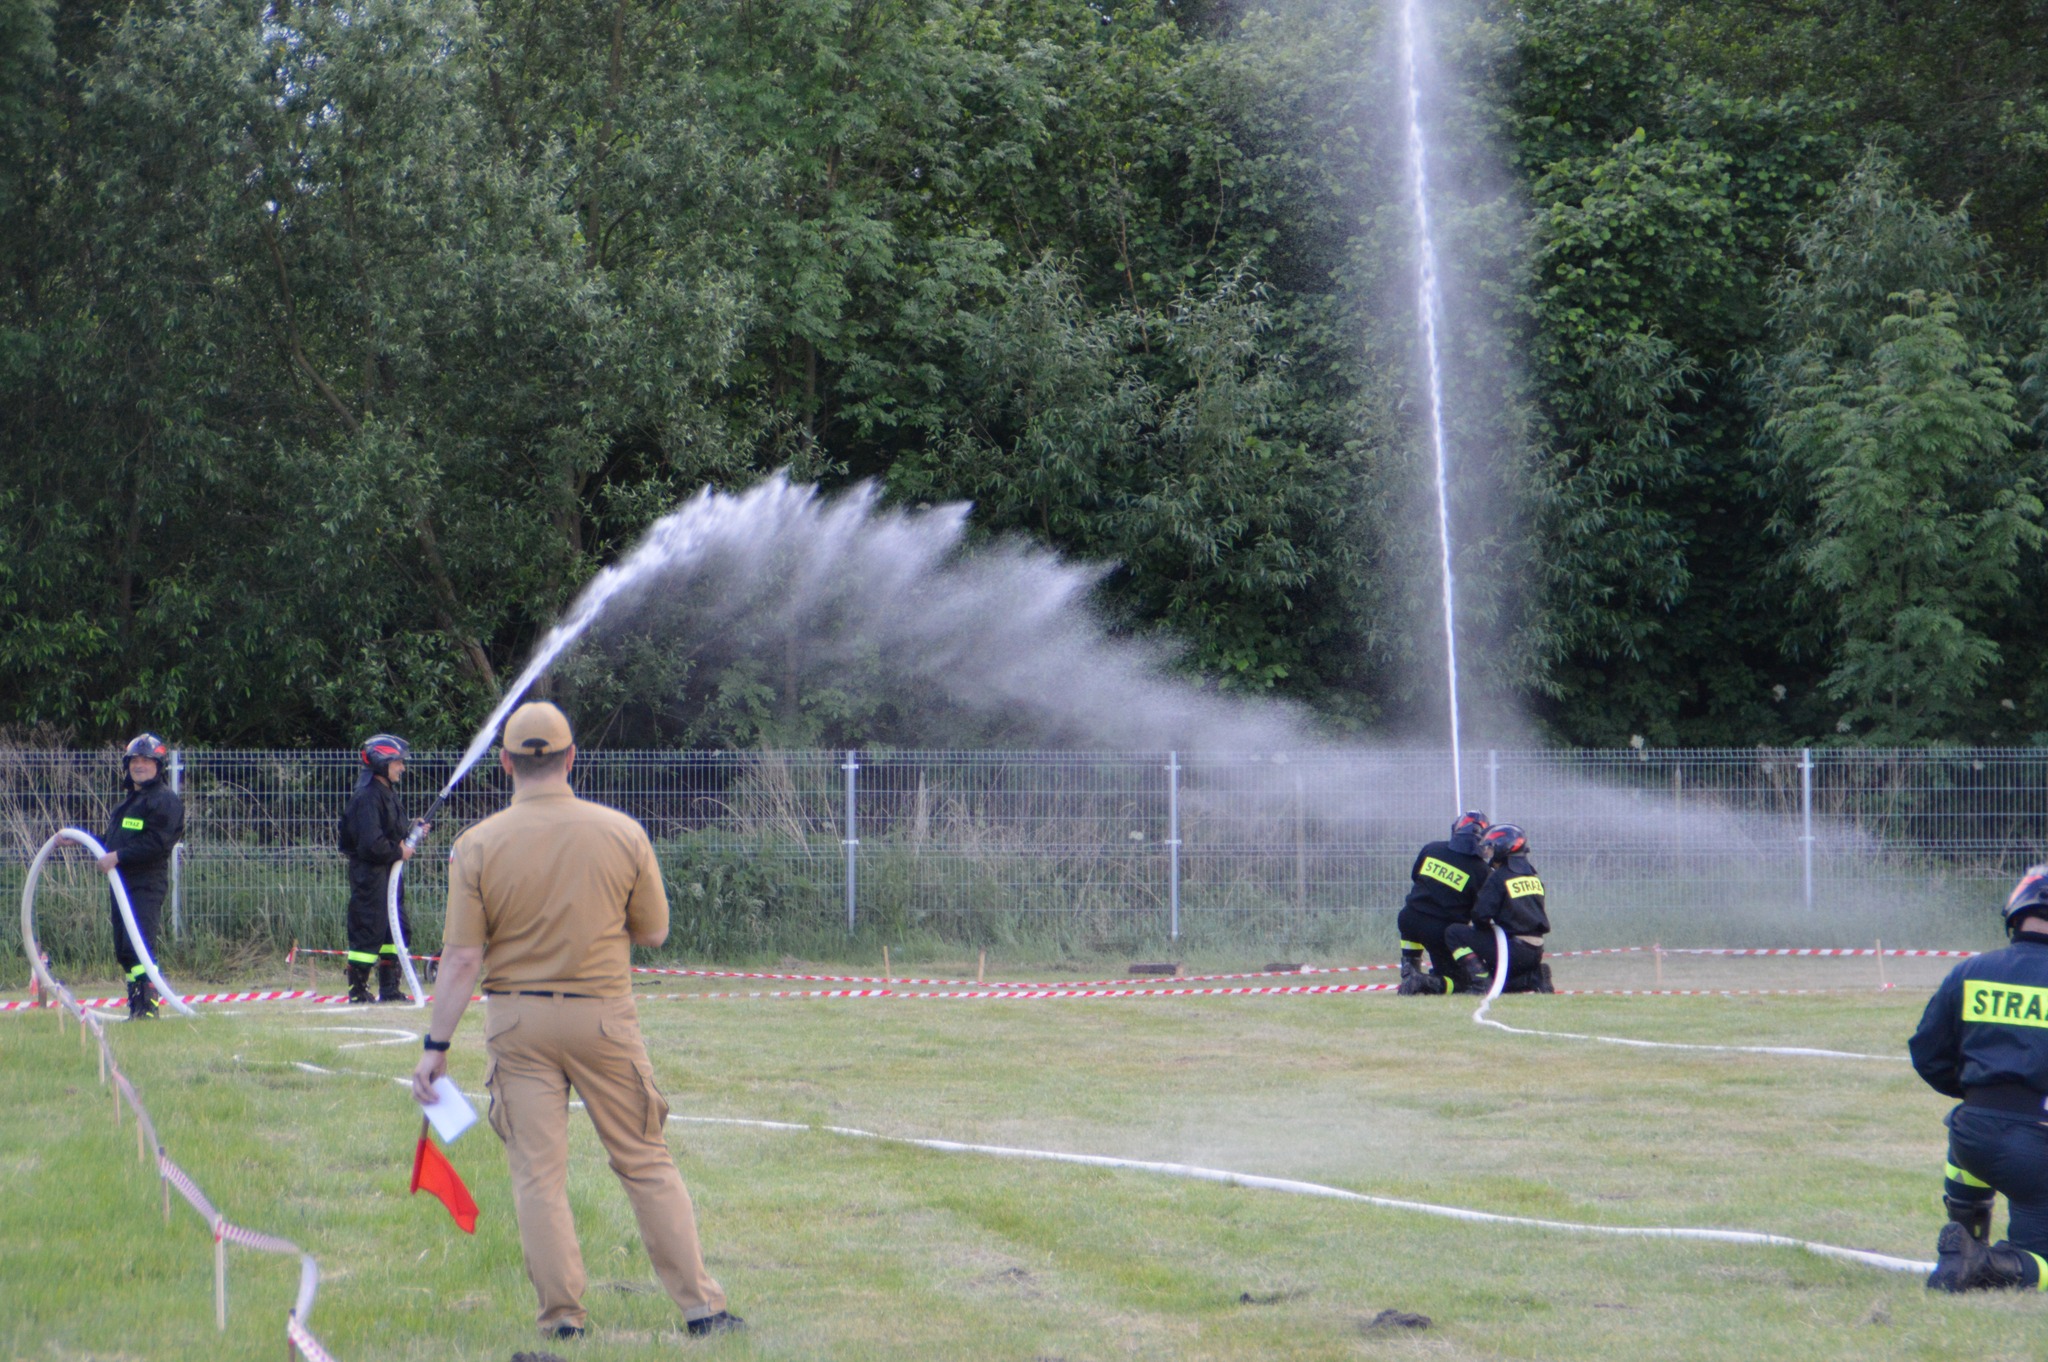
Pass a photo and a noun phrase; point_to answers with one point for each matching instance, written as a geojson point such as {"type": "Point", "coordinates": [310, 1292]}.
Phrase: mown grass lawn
{"type": "Point", "coordinates": [841, 1248]}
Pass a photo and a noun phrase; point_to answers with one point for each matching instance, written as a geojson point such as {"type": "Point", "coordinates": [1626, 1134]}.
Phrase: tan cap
{"type": "Point", "coordinates": [537, 729]}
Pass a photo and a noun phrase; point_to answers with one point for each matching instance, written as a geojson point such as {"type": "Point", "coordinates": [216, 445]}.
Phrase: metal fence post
{"type": "Point", "coordinates": [1173, 844]}
{"type": "Point", "coordinates": [178, 853]}
{"type": "Point", "coordinates": [852, 834]}
{"type": "Point", "coordinates": [1806, 818]}
{"type": "Point", "coordinates": [1492, 784]}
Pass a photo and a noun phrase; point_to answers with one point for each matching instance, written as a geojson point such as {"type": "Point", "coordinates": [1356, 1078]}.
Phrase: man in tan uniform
{"type": "Point", "coordinates": [546, 899]}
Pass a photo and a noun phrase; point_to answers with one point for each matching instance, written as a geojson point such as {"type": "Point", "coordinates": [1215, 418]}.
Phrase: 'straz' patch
{"type": "Point", "coordinates": [1524, 886]}
{"type": "Point", "coordinates": [1433, 869]}
{"type": "Point", "coordinates": [2011, 1004]}
{"type": "Point", "coordinates": [131, 825]}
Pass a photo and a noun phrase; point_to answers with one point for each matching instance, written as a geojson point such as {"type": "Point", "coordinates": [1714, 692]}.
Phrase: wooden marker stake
{"type": "Point", "coordinates": [1881, 984]}
{"type": "Point", "coordinates": [980, 966]}
{"type": "Point", "coordinates": [220, 1276]}
{"type": "Point", "coordinates": [885, 964]}
{"type": "Point", "coordinates": [1658, 950]}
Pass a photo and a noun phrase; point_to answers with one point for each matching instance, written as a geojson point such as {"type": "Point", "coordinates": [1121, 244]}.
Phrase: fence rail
{"type": "Point", "coordinates": [774, 850]}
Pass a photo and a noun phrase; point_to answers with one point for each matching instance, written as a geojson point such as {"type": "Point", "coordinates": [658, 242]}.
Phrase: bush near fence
{"type": "Point", "coordinates": [1071, 854]}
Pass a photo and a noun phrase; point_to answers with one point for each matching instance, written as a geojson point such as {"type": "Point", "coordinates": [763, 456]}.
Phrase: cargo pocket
{"type": "Point", "coordinates": [657, 1105]}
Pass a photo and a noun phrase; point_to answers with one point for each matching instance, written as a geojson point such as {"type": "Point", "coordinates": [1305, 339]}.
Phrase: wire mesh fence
{"type": "Point", "coordinates": [1072, 852]}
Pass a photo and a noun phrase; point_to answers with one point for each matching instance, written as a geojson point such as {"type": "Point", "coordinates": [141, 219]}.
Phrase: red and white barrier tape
{"type": "Point", "coordinates": [53, 993]}
{"type": "Point", "coordinates": [274, 995]}
{"type": "Point", "coordinates": [1003, 984]}
{"type": "Point", "coordinates": [900, 987]}
{"type": "Point", "coordinates": [309, 1347]}
{"type": "Point", "coordinates": [998, 993]}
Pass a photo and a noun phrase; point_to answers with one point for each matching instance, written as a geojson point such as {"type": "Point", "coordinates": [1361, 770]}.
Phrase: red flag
{"type": "Point", "coordinates": [432, 1172]}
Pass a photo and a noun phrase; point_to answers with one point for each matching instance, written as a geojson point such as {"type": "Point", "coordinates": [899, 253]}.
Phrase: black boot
{"type": "Point", "coordinates": [2005, 1267]}
{"type": "Point", "coordinates": [1958, 1258]}
{"type": "Point", "coordinates": [1419, 983]}
{"type": "Point", "coordinates": [388, 990]}
{"type": "Point", "coordinates": [1478, 978]}
{"type": "Point", "coordinates": [1974, 1216]}
{"type": "Point", "coordinates": [1546, 986]}
{"type": "Point", "coordinates": [141, 1000]}
{"type": "Point", "coordinates": [359, 983]}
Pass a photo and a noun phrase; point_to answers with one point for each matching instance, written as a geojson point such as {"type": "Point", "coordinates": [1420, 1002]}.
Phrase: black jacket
{"type": "Point", "coordinates": [1513, 896]}
{"type": "Point", "coordinates": [373, 826]}
{"type": "Point", "coordinates": [1446, 880]}
{"type": "Point", "coordinates": [144, 827]}
{"type": "Point", "coordinates": [1988, 1022]}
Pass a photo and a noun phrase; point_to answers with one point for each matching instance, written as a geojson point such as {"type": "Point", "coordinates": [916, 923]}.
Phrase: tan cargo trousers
{"type": "Point", "coordinates": [538, 1049]}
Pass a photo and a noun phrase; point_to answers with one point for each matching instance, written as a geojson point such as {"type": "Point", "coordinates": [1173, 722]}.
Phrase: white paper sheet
{"type": "Point", "coordinates": [450, 1112]}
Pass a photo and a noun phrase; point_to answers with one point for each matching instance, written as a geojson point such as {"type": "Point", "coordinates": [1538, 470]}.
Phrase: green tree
{"type": "Point", "coordinates": [1908, 501]}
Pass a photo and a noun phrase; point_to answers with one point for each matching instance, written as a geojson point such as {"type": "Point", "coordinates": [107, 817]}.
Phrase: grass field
{"type": "Point", "coordinates": [842, 1248]}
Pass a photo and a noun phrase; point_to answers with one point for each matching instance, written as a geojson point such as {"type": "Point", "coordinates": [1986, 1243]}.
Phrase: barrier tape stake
{"type": "Point", "coordinates": [885, 964]}
{"type": "Point", "coordinates": [141, 1154]}
{"type": "Point", "coordinates": [103, 1058]}
{"type": "Point", "coordinates": [1881, 984]}
{"type": "Point", "coordinates": [1658, 951]}
{"type": "Point", "coordinates": [980, 965]}
{"type": "Point", "coordinates": [220, 1275]}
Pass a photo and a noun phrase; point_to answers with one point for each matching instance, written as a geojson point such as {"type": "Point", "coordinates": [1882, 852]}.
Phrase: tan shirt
{"type": "Point", "coordinates": [550, 888]}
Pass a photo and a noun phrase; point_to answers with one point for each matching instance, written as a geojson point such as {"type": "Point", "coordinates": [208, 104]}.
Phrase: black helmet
{"type": "Point", "coordinates": [379, 752]}
{"type": "Point", "coordinates": [2029, 894]}
{"type": "Point", "coordinates": [1503, 840]}
{"type": "Point", "coordinates": [1466, 832]}
{"type": "Point", "coordinates": [148, 745]}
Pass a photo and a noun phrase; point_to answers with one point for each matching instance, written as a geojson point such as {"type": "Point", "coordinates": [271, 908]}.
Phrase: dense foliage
{"type": "Point", "coordinates": [340, 342]}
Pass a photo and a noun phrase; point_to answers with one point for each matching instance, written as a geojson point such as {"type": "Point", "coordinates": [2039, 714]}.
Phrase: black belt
{"type": "Point", "coordinates": [533, 993]}
{"type": "Point", "coordinates": [2008, 1097]}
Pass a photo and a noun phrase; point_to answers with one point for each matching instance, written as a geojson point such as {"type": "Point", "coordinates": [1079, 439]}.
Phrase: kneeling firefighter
{"type": "Point", "coordinates": [1446, 879]}
{"type": "Point", "coordinates": [141, 831]}
{"type": "Point", "coordinates": [373, 832]}
{"type": "Point", "coordinates": [1984, 1039]}
{"type": "Point", "coordinates": [1513, 897]}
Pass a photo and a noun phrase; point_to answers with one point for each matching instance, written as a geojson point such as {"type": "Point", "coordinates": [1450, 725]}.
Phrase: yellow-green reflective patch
{"type": "Point", "coordinates": [131, 824]}
{"type": "Point", "coordinates": [1956, 1174]}
{"type": "Point", "coordinates": [1524, 886]}
{"type": "Point", "coordinates": [2005, 1004]}
{"type": "Point", "coordinates": [1412, 946]}
{"type": "Point", "coordinates": [1433, 869]}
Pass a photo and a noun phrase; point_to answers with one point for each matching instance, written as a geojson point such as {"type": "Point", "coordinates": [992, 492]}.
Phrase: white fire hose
{"type": "Point", "coordinates": [28, 918]}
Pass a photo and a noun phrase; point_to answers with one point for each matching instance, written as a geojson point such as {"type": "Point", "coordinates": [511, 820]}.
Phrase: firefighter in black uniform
{"type": "Point", "coordinates": [373, 832]}
{"type": "Point", "coordinates": [1446, 878]}
{"type": "Point", "coordinates": [1984, 1039]}
{"type": "Point", "coordinates": [1513, 897]}
{"type": "Point", "coordinates": [141, 831]}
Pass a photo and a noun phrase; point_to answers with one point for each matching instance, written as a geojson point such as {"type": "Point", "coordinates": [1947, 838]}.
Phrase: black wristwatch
{"type": "Point", "coordinates": [430, 1043]}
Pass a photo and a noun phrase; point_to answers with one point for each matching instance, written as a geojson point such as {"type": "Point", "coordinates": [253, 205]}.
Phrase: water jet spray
{"type": "Point", "coordinates": [1428, 309]}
